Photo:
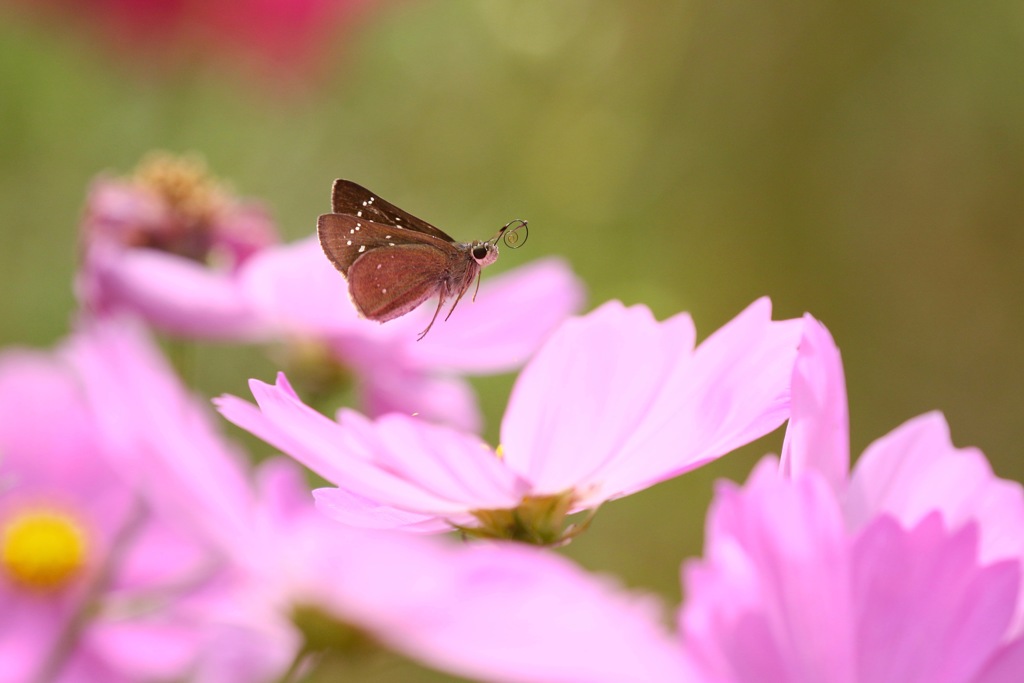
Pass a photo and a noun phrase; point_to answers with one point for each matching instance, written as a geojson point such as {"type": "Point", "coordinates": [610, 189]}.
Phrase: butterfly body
{"type": "Point", "coordinates": [394, 261]}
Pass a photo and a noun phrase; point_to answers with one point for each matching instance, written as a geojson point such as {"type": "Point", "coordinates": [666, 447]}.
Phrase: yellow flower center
{"type": "Point", "coordinates": [184, 183]}
{"type": "Point", "coordinates": [42, 549]}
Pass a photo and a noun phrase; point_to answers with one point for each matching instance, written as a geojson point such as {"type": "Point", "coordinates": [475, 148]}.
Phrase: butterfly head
{"type": "Point", "coordinates": [484, 253]}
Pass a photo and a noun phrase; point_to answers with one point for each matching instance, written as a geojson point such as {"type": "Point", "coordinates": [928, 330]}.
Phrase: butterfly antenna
{"type": "Point", "coordinates": [514, 238]}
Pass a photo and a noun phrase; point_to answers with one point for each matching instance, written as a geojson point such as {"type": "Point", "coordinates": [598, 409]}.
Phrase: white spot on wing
{"type": "Point", "coordinates": [362, 249]}
{"type": "Point", "coordinates": [391, 244]}
{"type": "Point", "coordinates": [349, 243]}
{"type": "Point", "coordinates": [359, 213]}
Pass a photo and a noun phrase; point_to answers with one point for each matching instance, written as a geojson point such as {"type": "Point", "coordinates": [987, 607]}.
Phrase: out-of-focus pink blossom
{"type": "Point", "coordinates": [613, 402]}
{"type": "Point", "coordinates": [269, 38]}
{"type": "Point", "coordinates": [909, 569]}
{"type": "Point", "coordinates": [908, 474]}
{"type": "Point", "coordinates": [85, 563]}
{"type": "Point", "coordinates": [493, 612]}
{"type": "Point", "coordinates": [785, 593]}
{"type": "Point", "coordinates": [167, 245]}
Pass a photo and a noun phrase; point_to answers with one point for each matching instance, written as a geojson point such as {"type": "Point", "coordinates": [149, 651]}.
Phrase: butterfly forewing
{"type": "Point", "coordinates": [389, 282]}
{"type": "Point", "coordinates": [345, 238]}
{"type": "Point", "coordinates": [355, 200]}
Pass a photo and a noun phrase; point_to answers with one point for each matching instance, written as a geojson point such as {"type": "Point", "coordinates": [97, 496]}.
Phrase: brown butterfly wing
{"type": "Point", "coordinates": [344, 238]}
{"type": "Point", "coordinates": [391, 281]}
{"type": "Point", "coordinates": [355, 200]}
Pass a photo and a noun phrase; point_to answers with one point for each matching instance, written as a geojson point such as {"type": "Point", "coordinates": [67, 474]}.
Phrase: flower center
{"type": "Point", "coordinates": [538, 520]}
{"type": "Point", "coordinates": [184, 183]}
{"type": "Point", "coordinates": [194, 200]}
{"type": "Point", "coordinates": [42, 549]}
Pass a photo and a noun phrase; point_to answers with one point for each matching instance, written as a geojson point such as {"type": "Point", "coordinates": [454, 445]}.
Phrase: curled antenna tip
{"type": "Point", "coordinates": [514, 237]}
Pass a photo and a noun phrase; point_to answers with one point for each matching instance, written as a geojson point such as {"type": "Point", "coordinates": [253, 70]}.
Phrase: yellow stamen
{"type": "Point", "coordinates": [42, 549]}
{"type": "Point", "coordinates": [183, 182]}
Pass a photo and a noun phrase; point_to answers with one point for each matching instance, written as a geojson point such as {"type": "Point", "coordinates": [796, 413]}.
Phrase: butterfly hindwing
{"type": "Point", "coordinates": [355, 200]}
{"type": "Point", "coordinates": [389, 282]}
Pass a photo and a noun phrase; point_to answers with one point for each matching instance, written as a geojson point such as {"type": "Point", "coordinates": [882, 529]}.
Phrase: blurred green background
{"type": "Point", "coordinates": [863, 161]}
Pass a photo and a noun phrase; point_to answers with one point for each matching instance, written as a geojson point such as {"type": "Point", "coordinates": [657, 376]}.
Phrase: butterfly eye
{"type": "Point", "coordinates": [480, 252]}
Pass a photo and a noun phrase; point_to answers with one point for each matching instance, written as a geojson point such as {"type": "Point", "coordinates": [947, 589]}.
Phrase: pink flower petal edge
{"type": "Point", "coordinates": [818, 435]}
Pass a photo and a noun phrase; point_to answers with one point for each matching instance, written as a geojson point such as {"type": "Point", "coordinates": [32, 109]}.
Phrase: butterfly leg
{"type": "Point", "coordinates": [442, 296]}
{"type": "Point", "coordinates": [479, 276]}
{"type": "Point", "coordinates": [462, 291]}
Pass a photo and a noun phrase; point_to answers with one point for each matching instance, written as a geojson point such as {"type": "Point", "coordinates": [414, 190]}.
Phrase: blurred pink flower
{"type": "Point", "coordinates": [908, 570]}
{"type": "Point", "coordinates": [278, 39]}
{"type": "Point", "coordinates": [909, 474]}
{"type": "Point", "coordinates": [613, 402]}
{"type": "Point", "coordinates": [83, 560]}
{"type": "Point", "coordinates": [493, 612]}
{"type": "Point", "coordinates": [167, 245]}
{"type": "Point", "coordinates": [785, 593]}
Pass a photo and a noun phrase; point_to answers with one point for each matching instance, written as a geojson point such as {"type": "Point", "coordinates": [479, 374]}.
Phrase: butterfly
{"type": "Point", "coordinates": [394, 261]}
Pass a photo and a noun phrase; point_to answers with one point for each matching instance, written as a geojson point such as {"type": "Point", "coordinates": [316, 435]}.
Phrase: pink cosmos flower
{"type": "Point", "coordinates": [167, 245]}
{"type": "Point", "coordinates": [909, 569]}
{"type": "Point", "coordinates": [613, 402]}
{"type": "Point", "coordinates": [82, 558]}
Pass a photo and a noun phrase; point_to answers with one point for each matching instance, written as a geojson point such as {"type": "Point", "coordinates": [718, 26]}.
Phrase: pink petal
{"type": "Point", "coordinates": [389, 387]}
{"type": "Point", "coordinates": [500, 612]}
{"type": "Point", "coordinates": [51, 452]}
{"type": "Point", "coordinates": [818, 435]}
{"type": "Point", "coordinates": [915, 470]}
{"type": "Point", "coordinates": [297, 291]}
{"type": "Point", "coordinates": [511, 317]}
{"type": "Point", "coordinates": [160, 434]}
{"type": "Point", "coordinates": [397, 461]}
{"type": "Point", "coordinates": [354, 510]}
{"type": "Point", "coordinates": [46, 432]}
{"type": "Point", "coordinates": [588, 413]}
{"type": "Point", "coordinates": [926, 610]}
{"type": "Point", "coordinates": [579, 399]}
{"type": "Point", "coordinates": [733, 390]}
{"type": "Point", "coordinates": [1006, 665]}
{"type": "Point", "coordinates": [173, 294]}
{"type": "Point", "coordinates": [775, 556]}
{"type": "Point", "coordinates": [450, 463]}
